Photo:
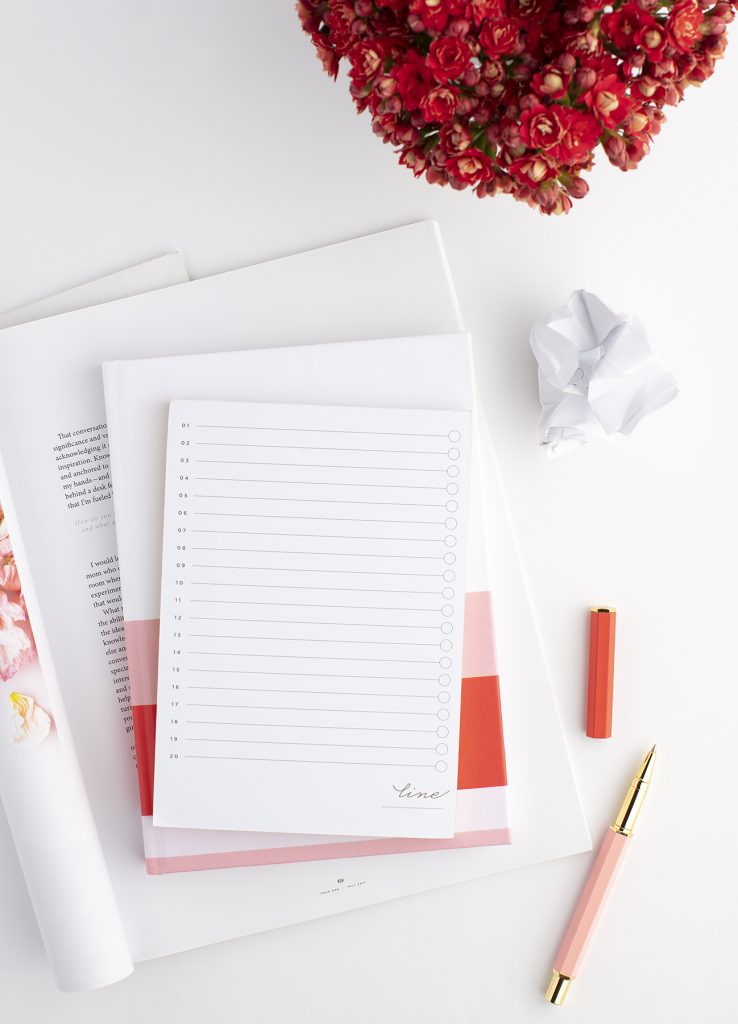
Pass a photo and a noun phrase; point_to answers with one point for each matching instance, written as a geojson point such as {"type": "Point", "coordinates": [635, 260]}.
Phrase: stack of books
{"type": "Point", "coordinates": [267, 560]}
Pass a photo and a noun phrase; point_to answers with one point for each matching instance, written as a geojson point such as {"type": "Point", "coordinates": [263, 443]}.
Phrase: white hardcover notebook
{"type": "Point", "coordinates": [137, 400]}
{"type": "Point", "coordinates": [58, 390]}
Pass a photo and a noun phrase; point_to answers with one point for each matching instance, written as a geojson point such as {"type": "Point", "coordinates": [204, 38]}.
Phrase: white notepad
{"type": "Point", "coordinates": [312, 619]}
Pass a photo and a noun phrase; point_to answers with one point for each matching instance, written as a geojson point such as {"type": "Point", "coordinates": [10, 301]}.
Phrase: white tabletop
{"type": "Point", "coordinates": [131, 129]}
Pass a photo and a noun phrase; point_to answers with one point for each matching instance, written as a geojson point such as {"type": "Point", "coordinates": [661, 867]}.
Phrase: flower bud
{"type": "Point", "coordinates": [636, 149]}
{"type": "Point", "coordinates": [511, 136]}
{"type": "Point", "coordinates": [567, 63]}
{"type": "Point", "coordinates": [405, 135]}
{"type": "Point", "coordinates": [466, 104]}
{"type": "Point", "coordinates": [493, 71]}
{"type": "Point", "coordinates": [638, 122]}
{"type": "Point", "coordinates": [616, 151]}
{"type": "Point", "coordinates": [713, 27]}
{"type": "Point", "coordinates": [647, 86]}
{"type": "Point", "coordinates": [492, 135]}
{"type": "Point", "coordinates": [520, 72]}
{"type": "Point", "coordinates": [585, 79]}
{"type": "Point", "coordinates": [309, 19]}
{"type": "Point", "coordinates": [638, 59]}
{"type": "Point", "coordinates": [363, 8]}
{"type": "Point", "coordinates": [472, 76]}
{"type": "Point", "coordinates": [458, 27]}
{"type": "Point", "coordinates": [435, 176]}
{"type": "Point", "coordinates": [547, 196]}
{"type": "Point", "coordinates": [415, 159]}
{"type": "Point", "coordinates": [577, 188]}
{"type": "Point", "coordinates": [552, 81]}
{"type": "Point", "coordinates": [663, 69]}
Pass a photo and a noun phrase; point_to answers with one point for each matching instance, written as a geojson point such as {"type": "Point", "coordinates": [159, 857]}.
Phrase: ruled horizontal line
{"type": "Point", "coordinates": [291, 725]}
{"type": "Point", "coordinates": [335, 572]}
{"type": "Point", "coordinates": [297, 604]}
{"type": "Point", "coordinates": [410, 807]}
{"type": "Point", "coordinates": [328, 536]}
{"type": "Point", "coordinates": [321, 483]}
{"type": "Point", "coordinates": [310, 639]}
{"type": "Point", "coordinates": [309, 622]}
{"type": "Point", "coordinates": [317, 448]}
{"type": "Point", "coordinates": [297, 743]}
{"type": "Point", "coordinates": [315, 430]}
{"type": "Point", "coordinates": [316, 519]}
{"type": "Point", "coordinates": [321, 465]}
{"type": "Point", "coordinates": [301, 760]}
{"type": "Point", "coordinates": [332, 711]}
{"type": "Point", "coordinates": [292, 586]}
{"type": "Point", "coordinates": [312, 657]}
{"type": "Point", "coordinates": [337, 554]}
{"type": "Point", "coordinates": [319, 675]}
{"type": "Point", "coordinates": [322, 693]}
{"type": "Point", "coordinates": [321, 501]}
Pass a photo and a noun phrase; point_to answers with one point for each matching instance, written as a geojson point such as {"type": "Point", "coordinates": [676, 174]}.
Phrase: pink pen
{"type": "Point", "coordinates": [574, 944]}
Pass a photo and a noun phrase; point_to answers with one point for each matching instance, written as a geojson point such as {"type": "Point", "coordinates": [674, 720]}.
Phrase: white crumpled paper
{"type": "Point", "coordinates": [597, 373]}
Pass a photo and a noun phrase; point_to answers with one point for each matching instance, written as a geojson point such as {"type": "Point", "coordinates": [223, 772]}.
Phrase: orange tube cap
{"type": "Point", "coordinates": [601, 672]}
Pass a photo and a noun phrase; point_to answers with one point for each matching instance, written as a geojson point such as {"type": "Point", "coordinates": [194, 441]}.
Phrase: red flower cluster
{"type": "Point", "coordinates": [515, 96]}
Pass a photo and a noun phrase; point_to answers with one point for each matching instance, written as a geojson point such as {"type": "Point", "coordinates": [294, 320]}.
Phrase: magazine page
{"type": "Point", "coordinates": [41, 786]}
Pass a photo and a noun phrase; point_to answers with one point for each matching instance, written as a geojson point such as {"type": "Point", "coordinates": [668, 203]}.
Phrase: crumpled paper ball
{"type": "Point", "coordinates": [597, 373]}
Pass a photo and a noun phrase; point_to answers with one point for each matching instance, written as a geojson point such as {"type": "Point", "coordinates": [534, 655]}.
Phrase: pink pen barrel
{"type": "Point", "coordinates": [594, 895]}
{"type": "Point", "coordinates": [584, 920]}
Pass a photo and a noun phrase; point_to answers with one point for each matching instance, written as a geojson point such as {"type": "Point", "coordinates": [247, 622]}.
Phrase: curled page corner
{"type": "Point", "coordinates": [41, 784]}
{"type": "Point", "coordinates": [597, 373]}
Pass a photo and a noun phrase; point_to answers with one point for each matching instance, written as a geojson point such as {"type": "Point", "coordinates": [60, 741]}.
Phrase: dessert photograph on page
{"type": "Point", "coordinates": [367, 575]}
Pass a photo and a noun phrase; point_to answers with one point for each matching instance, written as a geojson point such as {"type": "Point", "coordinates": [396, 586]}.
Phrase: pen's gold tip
{"type": "Point", "coordinates": [558, 988]}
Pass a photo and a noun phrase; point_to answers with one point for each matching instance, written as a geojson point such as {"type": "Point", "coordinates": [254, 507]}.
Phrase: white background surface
{"type": "Point", "coordinates": [130, 129]}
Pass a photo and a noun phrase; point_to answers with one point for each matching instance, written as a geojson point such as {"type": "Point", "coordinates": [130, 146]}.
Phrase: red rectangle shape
{"type": "Point", "coordinates": [144, 729]}
{"type": "Point", "coordinates": [481, 740]}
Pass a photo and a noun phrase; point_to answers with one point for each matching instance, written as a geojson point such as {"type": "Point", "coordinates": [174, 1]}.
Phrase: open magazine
{"type": "Point", "coordinates": [44, 794]}
{"type": "Point", "coordinates": [80, 843]}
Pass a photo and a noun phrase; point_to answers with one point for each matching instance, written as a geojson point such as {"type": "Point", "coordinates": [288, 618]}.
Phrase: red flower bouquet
{"type": "Point", "coordinates": [515, 96]}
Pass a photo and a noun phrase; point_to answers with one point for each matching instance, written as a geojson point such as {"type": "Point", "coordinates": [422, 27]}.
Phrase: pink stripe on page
{"type": "Point", "coordinates": [329, 851]}
{"type": "Point", "coordinates": [479, 656]}
{"type": "Point", "coordinates": [142, 645]}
